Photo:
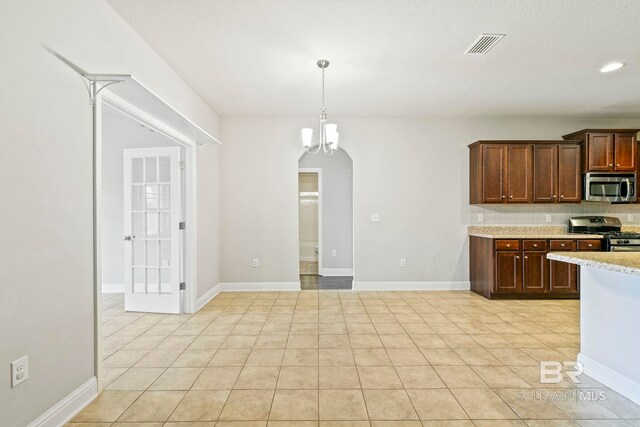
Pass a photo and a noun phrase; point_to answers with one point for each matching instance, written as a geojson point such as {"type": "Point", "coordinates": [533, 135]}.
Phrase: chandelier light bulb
{"type": "Point", "coordinates": [333, 144]}
{"type": "Point", "coordinates": [307, 137]}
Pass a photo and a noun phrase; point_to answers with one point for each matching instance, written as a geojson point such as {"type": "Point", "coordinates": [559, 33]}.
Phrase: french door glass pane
{"type": "Point", "coordinates": [152, 281]}
{"type": "Point", "coordinates": [164, 195]}
{"type": "Point", "coordinates": [152, 252]}
{"type": "Point", "coordinates": [138, 252]}
{"type": "Point", "coordinates": [164, 169]}
{"type": "Point", "coordinates": [152, 224]}
{"type": "Point", "coordinates": [151, 169]}
{"type": "Point", "coordinates": [165, 225]}
{"type": "Point", "coordinates": [138, 280]}
{"type": "Point", "coordinates": [165, 281]}
{"type": "Point", "coordinates": [151, 197]}
{"type": "Point", "coordinates": [137, 171]}
{"type": "Point", "coordinates": [165, 253]}
{"type": "Point", "coordinates": [138, 225]}
{"type": "Point", "coordinates": [137, 197]}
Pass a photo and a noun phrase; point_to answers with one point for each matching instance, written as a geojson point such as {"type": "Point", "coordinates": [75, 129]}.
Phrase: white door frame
{"type": "Point", "coordinates": [189, 195]}
{"type": "Point", "coordinates": [317, 171]}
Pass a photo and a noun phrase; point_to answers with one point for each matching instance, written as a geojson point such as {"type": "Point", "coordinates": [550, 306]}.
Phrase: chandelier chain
{"type": "Point", "coordinates": [323, 107]}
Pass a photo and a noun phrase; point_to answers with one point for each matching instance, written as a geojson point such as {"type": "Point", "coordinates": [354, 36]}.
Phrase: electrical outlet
{"type": "Point", "coordinates": [19, 371]}
{"type": "Point", "coordinates": [334, 252]}
{"type": "Point", "coordinates": [630, 217]}
{"type": "Point", "coordinates": [480, 217]}
{"type": "Point", "coordinates": [547, 217]}
{"type": "Point", "coordinates": [403, 262]}
{"type": "Point", "coordinates": [375, 217]}
{"type": "Point", "coordinates": [255, 263]}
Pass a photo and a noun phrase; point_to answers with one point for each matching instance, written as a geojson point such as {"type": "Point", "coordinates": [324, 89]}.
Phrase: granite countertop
{"type": "Point", "coordinates": [526, 232]}
{"type": "Point", "coordinates": [621, 262]}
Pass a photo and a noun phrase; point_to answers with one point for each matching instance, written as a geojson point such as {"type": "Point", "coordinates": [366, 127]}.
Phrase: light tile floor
{"type": "Point", "coordinates": [343, 358]}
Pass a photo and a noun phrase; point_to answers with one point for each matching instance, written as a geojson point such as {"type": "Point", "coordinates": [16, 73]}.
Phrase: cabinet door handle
{"type": "Point", "coordinates": [618, 164]}
{"type": "Point", "coordinates": [535, 245]}
{"type": "Point", "coordinates": [590, 245]}
{"type": "Point", "coordinates": [562, 244]}
{"type": "Point", "coordinates": [610, 164]}
{"type": "Point", "coordinates": [508, 245]}
{"type": "Point", "coordinates": [517, 257]}
{"type": "Point", "coordinates": [526, 257]}
{"type": "Point", "coordinates": [503, 197]}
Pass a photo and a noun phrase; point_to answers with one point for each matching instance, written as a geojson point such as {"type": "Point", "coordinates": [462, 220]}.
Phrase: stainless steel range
{"type": "Point", "coordinates": [613, 238]}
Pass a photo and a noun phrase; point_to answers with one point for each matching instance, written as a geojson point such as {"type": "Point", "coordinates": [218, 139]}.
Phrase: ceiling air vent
{"type": "Point", "coordinates": [484, 43]}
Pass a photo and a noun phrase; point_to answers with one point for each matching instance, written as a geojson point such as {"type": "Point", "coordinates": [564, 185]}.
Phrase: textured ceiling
{"type": "Point", "coordinates": [399, 57]}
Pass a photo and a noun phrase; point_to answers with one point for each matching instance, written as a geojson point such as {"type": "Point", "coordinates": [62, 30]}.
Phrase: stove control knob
{"type": "Point", "coordinates": [626, 241]}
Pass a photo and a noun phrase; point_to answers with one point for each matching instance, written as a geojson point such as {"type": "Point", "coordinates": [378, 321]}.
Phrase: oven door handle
{"type": "Point", "coordinates": [630, 248]}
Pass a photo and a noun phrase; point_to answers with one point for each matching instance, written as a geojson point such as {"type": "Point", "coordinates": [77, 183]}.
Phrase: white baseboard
{"type": "Point", "coordinates": [208, 296]}
{"type": "Point", "coordinates": [259, 286]}
{"type": "Point", "coordinates": [68, 407]}
{"type": "Point", "coordinates": [612, 379]}
{"type": "Point", "coordinates": [113, 288]}
{"type": "Point", "coordinates": [411, 286]}
{"type": "Point", "coordinates": [330, 272]}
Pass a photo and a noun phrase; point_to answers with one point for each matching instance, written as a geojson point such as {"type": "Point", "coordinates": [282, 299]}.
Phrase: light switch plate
{"type": "Point", "coordinates": [19, 371]}
{"type": "Point", "coordinates": [375, 217]}
{"type": "Point", "coordinates": [334, 252]}
{"type": "Point", "coordinates": [255, 263]}
{"type": "Point", "coordinates": [547, 217]}
{"type": "Point", "coordinates": [403, 262]}
{"type": "Point", "coordinates": [480, 217]}
{"type": "Point", "coordinates": [630, 217]}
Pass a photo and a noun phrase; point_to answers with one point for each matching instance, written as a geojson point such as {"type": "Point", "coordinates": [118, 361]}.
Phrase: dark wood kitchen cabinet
{"type": "Point", "coordinates": [508, 268]}
{"type": "Point", "coordinates": [508, 272]}
{"type": "Point", "coordinates": [519, 173]}
{"type": "Point", "coordinates": [608, 150]}
{"type": "Point", "coordinates": [493, 173]}
{"type": "Point", "coordinates": [525, 172]}
{"type": "Point", "coordinates": [556, 173]}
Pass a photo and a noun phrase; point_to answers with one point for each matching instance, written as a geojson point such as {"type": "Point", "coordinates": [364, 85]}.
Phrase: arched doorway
{"type": "Point", "coordinates": [326, 221]}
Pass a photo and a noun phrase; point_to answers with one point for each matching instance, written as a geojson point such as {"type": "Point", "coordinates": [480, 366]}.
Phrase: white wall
{"type": "Point", "coordinates": [208, 217]}
{"type": "Point", "coordinates": [46, 296]}
{"type": "Point", "coordinates": [413, 172]}
{"type": "Point", "coordinates": [118, 133]}
{"type": "Point", "coordinates": [337, 206]}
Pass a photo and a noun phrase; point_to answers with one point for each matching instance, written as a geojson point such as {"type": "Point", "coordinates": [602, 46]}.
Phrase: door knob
{"type": "Point", "coordinates": [127, 238]}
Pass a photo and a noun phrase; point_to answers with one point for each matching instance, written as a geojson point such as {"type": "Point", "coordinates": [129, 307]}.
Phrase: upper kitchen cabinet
{"type": "Point", "coordinates": [608, 150]}
{"type": "Point", "coordinates": [525, 172]}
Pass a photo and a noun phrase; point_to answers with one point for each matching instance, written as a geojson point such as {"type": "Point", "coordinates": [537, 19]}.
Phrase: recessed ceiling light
{"type": "Point", "coordinates": [612, 67]}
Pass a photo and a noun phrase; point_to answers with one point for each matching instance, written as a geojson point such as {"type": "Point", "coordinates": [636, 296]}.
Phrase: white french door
{"type": "Point", "coordinates": [152, 216]}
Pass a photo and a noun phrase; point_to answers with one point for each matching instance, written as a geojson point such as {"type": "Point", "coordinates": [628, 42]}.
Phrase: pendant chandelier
{"type": "Point", "coordinates": [329, 135]}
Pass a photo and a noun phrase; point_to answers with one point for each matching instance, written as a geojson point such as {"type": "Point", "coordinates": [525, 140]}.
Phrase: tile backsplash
{"type": "Point", "coordinates": [537, 214]}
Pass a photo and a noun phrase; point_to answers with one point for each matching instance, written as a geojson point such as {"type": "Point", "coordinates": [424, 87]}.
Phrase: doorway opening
{"type": "Point", "coordinates": [144, 199]}
{"type": "Point", "coordinates": [325, 221]}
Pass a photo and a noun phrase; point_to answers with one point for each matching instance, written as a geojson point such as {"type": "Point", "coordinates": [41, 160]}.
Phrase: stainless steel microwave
{"type": "Point", "coordinates": [610, 187]}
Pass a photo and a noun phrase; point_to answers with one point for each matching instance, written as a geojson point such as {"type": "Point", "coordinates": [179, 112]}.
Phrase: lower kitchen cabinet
{"type": "Point", "coordinates": [508, 268]}
{"type": "Point", "coordinates": [563, 276]}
